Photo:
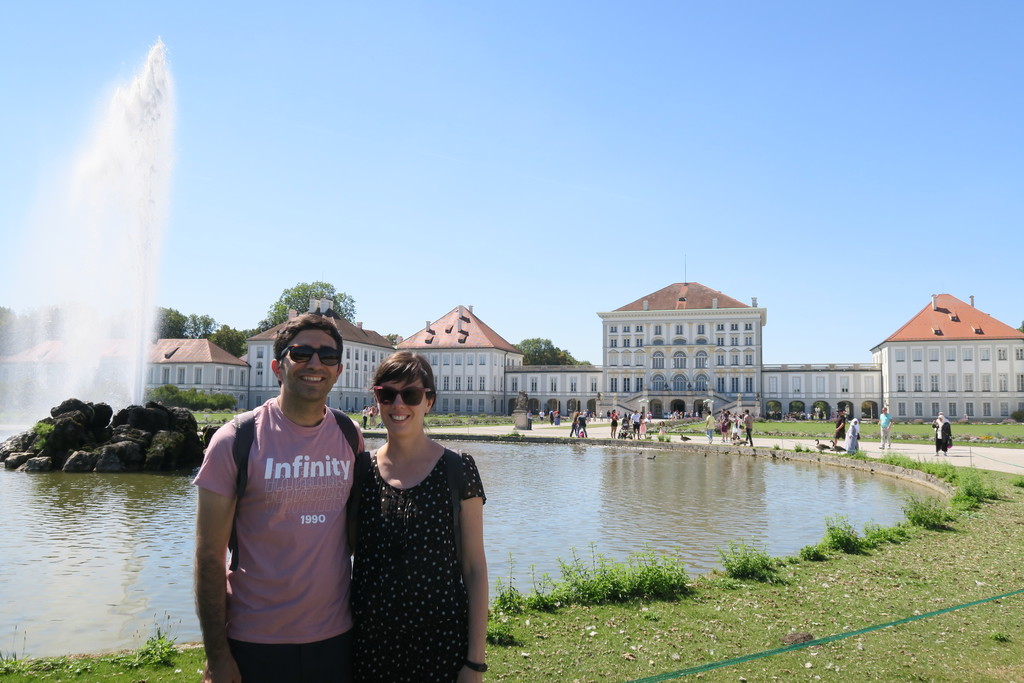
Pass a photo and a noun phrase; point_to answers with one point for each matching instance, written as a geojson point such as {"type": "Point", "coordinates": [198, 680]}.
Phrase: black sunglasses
{"type": "Point", "coordinates": [411, 396]}
{"type": "Point", "coordinates": [300, 353]}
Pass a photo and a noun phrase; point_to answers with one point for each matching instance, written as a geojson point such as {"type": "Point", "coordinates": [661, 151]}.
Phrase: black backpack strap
{"type": "Point", "coordinates": [456, 483]}
{"type": "Point", "coordinates": [245, 434]}
{"type": "Point", "coordinates": [348, 428]}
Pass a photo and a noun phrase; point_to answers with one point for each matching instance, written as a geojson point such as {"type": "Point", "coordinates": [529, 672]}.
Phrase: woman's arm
{"type": "Point", "coordinates": [474, 574]}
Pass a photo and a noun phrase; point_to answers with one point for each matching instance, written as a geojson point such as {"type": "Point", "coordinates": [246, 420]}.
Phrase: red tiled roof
{"type": "Point", "coordinates": [190, 351]}
{"type": "Point", "coordinates": [447, 333]}
{"type": "Point", "coordinates": [949, 319]}
{"type": "Point", "coordinates": [349, 332]}
{"type": "Point", "coordinates": [683, 296]}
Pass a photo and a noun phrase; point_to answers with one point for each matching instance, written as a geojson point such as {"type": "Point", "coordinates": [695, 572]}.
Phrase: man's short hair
{"type": "Point", "coordinates": [300, 323]}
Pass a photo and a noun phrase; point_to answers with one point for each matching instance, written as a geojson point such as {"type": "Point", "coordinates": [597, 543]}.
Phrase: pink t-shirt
{"type": "Point", "coordinates": [292, 581]}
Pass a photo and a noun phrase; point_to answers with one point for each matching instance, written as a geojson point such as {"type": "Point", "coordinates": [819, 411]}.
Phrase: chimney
{"type": "Point", "coordinates": [314, 305]}
{"type": "Point", "coordinates": [426, 327]}
{"type": "Point", "coordinates": [359, 325]}
{"type": "Point", "coordinates": [326, 305]}
{"type": "Point", "coordinates": [714, 302]}
{"type": "Point", "coordinates": [753, 301]}
{"type": "Point", "coordinates": [646, 305]}
{"type": "Point", "coordinates": [471, 310]}
{"type": "Point", "coordinates": [935, 302]}
{"type": "Point", "coordinates": [292, 313]}
{"type": "Point", "coordinates": [972, 301]}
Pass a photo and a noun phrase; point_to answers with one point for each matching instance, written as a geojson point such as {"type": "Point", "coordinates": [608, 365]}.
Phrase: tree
{"type": "Point", "coordinates": [170, 324]}
{"type": "Point", "coordinates": [230, 339]}
{"type": "Point", "coordinates": [199, 326]}
{"type": "Point", "coordinates": [392, 338]}
{"type": "Point", "coordinates": [298, 297]}
{"type": "Point", "coordinates": [542, 352]}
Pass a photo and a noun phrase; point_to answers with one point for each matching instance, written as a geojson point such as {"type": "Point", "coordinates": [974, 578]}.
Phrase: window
{"type": "Point", "coordinates": [679, 329]}
{"type": "Point", "coordinates": [844, 385]}
{"type": "Point", "coordinates": [197, 376]}
{"type": "Point", "coordinates": [481, 359]}
{"type": "Point", "coordinates": [915, 355]}
{"type": "Point", "coordinates": [181, 375]}
{"type": "Point", "coordinates": [1004, 382]}
{"type": "Point", "coordinates": [1019, 354]}
{"type": "Point", "coordinates": [735, 360]}
{"type": "Point", "coordinates": [719, 341]}
{"type": "Point", "coordinates": [658, 383]}
{"type": "Point", "coordinates": [748, 384]}
{"type": "Point", "coordinates": [702, 360]}
{"type": "Point", "coordinates": [935, 408]}
{"type": "Point", "coordinates": [218, 376]}
{"type": "Point", "coordinates": [700, 329]}
{"type": "Point", "coordinates": [458, 383]}
{"type": "Point", "coordinates": [951, 355]}
{"type": "Point", "coordinates": [720, 384]}
{"type": "Point", "coordinates": [625, 329]}
{"type": "Point", "coordinates": [469, 359]}
{"type": "Point", "coordinates": [734, 341]}
{"type": "Point", "coordinates": [515, 384]}
{"type": "Point", "coordinates": [917, 382]}
{"type": "Point", "coordinates": [447, 359]}
{"type": "Point", "coordinates": [901, 409]}
{"type": "Point", "coordinates": [1004, 409]}
{"type": "Point", "coordinates": [918, 409]}
{"type": "Point", "coordinates": [934, 382]}
{"type": "Point", "coordinates": [702, 383]}
{"type": "Point", "coordinates": [720, 327]}
{"type": "Point", "coordinates": [657, 329]}
{"type": "Point", "coordinates": [748, 341]}
{"type": "Point", "coordinates": [658, 361]}
{"type": "Point", "coordinates": [986, 409]}
{"type": "Point", "coordinates": [951, 409]}
{"type": "Point", "coordinates": [166, 376]}
{"type": "Point", "coordinates": [985, 354]}
{"type": "Point", "coordinates": [748, 326]}
{"type": "Point", "coordinates": [720, 359]}
{"type": "Point", "coordinates": [733, 327]}
{"type": "Point", "coordinates": [483, 384]}
{"type": "Point", "coordinates": [639, 383]}
{"type": "Point", "coordinates": [797, 385]}
{"type": "Point", "coordinates": [968, 354]}
{"type": "Point", "coordinates": [613, 343]}
{"type": "Point", "coordinates": [869, 385]}
{"type": "Point", "coordinates": [901, 383]}
{"type": "Point", "coordinates": [638, 328]}
{"type": "Point", "coordinates": [614, 329]}
{"type": "Point", "coordinates": [259, 352]}
{"type": "Point", "coordinates": [986, 382]}
{"type": "Point", "coordinates": [968, 382]}
{"type": "Point", "coordinates": [433, 359]}
{"type": "Point", "coordinates": [458, 404]}
{"type": "Point", "coordinates": [613, 384]}
{"type": "Point", "coordinates": [625, 385]}
{"type": "Point", "coordinates": [554, 385]}
{"type": "Point", "coordinates": [734, 384]}
{"type": "Point", "coordinates": [625, 342]}
{"type": "Point", "coordinates": [773, 385]}
{"type": "Point", "coordinates": [969, 409]}
{"type": "Point", "coordinates": [625, 358]}
{"type": "Point", "coordinates": [950, 382]}
{"type": "Point", "coordinates": [639, 342]}
{"type": "Point", "coordinates": [533, 384]}
{"type": "Point", "coordinates": [572, 385]}
{"type": "Point", "coordinates": [748, 359]}
{"type": "Point", "coordinates": [901, 355]}
{"type": "Point", "coordinates": [1020, 382]}
{"type": "Point", "coordinates": [1000, 354]}
{"type": "Point", "coordinates": [231, 376]}
{"type": "Point", "coordinates": [458, 359]}
{"type": "Point", "coordinates": [933, 355]}
{"type": "Point", "coordinates": [445, 383]}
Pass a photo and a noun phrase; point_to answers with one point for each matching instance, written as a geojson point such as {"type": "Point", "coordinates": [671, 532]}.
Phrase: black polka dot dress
{"type": "Point", "coordinates": [408, 599]}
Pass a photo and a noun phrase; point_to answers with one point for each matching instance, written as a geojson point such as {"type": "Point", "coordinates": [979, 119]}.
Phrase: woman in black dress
{"type": "Point", "coordinates": [419, 595]}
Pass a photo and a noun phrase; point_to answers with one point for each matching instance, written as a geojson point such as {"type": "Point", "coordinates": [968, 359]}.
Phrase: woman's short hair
{"type": "Point", "coordinates": [405, 366]}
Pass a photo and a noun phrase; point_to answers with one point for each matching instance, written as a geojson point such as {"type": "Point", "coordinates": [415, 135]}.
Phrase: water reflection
{"type": "Point", "coordinates": [94, 563]}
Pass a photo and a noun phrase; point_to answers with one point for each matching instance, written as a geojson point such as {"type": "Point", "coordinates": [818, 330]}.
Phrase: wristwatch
{"type": "Point", "coordinates": [476, 667]}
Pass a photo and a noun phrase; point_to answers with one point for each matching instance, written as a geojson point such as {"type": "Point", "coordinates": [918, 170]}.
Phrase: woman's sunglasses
{"type": "Point", "coordinates": [411, 396]}
{"type": "Point", "coordinates": [300, 353]}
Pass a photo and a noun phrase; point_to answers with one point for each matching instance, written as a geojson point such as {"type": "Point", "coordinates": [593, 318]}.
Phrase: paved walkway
{"type": "Point", "coordinates": [963, 455]}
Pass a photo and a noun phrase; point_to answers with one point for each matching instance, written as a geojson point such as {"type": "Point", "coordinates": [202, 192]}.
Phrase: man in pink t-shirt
{"type": "Point", "coordinates": [283, 613]}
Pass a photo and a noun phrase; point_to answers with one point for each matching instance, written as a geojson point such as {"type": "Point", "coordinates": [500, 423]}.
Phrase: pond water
{"type": "Point", "coordinates": [98, 562]}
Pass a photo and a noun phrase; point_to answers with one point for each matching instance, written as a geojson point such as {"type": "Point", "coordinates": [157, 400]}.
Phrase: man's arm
{"type": "Point", "coordinates": [213, 528]}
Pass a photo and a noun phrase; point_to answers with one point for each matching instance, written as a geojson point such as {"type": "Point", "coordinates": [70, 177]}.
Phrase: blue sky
{"type": "Point", "coordinates": [542, 161]}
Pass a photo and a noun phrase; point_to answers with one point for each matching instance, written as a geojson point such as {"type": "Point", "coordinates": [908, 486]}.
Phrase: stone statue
{"type": "Point", "coordinates": [521, 401]}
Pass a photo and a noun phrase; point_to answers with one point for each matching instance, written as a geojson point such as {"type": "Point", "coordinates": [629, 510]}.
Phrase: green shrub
{"type": "Point", "coordinates": [1018, 482]}
{"type": "Point", "coordinates": [743, 561]}
{"type": "Point", "coordinates": [972, 485]}
{"type": "Point", "coordinates": [813, 553]}
{"type": "Point", "coordinates": [875, 535]}
{"type": "Point", "coordinates": [499, 632]}
{"type": "Point", "coordinates": [158, 650]}
{"type": "Point", "coordinates": [193, 399]}
{"type": "Point", "coordinates": [840, 535]}
{"type": "Point", "coordinates": [42, 430]}
{"type": "Point", "coordinates": [927, 513]}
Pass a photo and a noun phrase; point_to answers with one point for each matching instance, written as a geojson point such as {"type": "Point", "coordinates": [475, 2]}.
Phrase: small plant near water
{"type": "Point", "coordinates": [875, 534]}
{"type": "Point", "coordinates": [499, 632]}
{"type": "Point", "coordinates": [927, 513]}
{"type": "Point", "coordinates": [972, 490]}
{"type": "Point", "coordinates": [42, 430]}
{"type": "Point", "coordinates": [742, 561]}
{"type": "Point", "coordinates": [840, 535]}
{"type": "Point", "coordinates": [813, 553]}
{"type": "Point", "coordinates": [157, 650]}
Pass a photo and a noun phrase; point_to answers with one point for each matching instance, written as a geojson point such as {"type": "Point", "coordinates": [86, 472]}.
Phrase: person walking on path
{"type": "Point", "coordinates": [840, 433]}
{"type": "Point", "coordinates": [419, 584]}
{"type": "Point", "coordinates": [748, 424]}
{"type": "Point", "coordinates": [280, 610]}
{"type": "Point", "coordinates": [575, 423]}
{"type": "Point", "coordinates": [615, 422]}
{"type": "Point", "coordinates": [943, 435]}
{"type": "Point", "coordinates": [853, 438]}
{"type": "Point", "coordinates": [885, 425]}
{"type": "Point", "coordinates": [709, 427]}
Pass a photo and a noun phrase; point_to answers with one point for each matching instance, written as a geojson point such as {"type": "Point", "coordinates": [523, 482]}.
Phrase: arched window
{"type": "Point", "coordinates": [658, 383]}
{"type": "Point", "coordinates": [679, 383]}
{"type": "Point", "coordinates": [702, 383]}
{"type": "Point", "coordinates": [679, 341]}
{"type": "Point", "coordinates": [679, 360]}
{"type": "Point", "coordinates": [702, 360]}
{"type": "Point", "coordinates": [658, 360]}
